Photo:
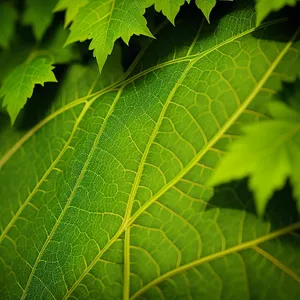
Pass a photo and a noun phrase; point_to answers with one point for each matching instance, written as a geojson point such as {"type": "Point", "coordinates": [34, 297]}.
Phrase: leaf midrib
{"type": "Point", "coordinates": [77, 184]}
{"type": "Point", "coordinates": [189, 166]}
{"type": "Point", "coordinates": [123, 83]}
{"type": "Point", "coordinates": [217, 255]}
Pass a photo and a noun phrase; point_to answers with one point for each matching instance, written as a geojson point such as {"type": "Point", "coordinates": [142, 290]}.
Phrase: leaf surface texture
{"type": "Point", "coordinates": [113, 200]}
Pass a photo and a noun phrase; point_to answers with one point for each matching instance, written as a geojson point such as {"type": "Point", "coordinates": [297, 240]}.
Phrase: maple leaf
{"type": "Point", "coordinates": [19, 84]}
{"type": "Point", "coordinates": [269, 153]}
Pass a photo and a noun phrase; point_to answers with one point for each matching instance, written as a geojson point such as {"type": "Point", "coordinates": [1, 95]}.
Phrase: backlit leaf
{"type": "Point", "coordinates": [19, 84]}
{"type": "Point", "coordinates": [269, 153]}
{"type": "Point", "coordinates": [106, 197]}
{"type": "Point", "coordinates": [104, 21]}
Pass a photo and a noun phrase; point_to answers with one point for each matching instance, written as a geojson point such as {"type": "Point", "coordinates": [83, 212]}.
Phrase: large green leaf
{"type": "Point", "coordinates": [104, 21]}
{"type": "Point", "coordinates": [28, 64]}
{"type": "Point", "coordinates": [106, 198]}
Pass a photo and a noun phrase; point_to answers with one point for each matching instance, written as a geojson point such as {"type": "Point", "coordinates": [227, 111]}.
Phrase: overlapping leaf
{"type": "Point", "coordinates": [110, 198]}
{"type": "Point", "coordinates": [26, 65]}
{"type": "Point", "coordinates": [104, 21]}
{"type": "Point", "coordinates": [265, 7]}
{"type": "Point", "coordinates": [269, 153]}
{"type": "Point", "coordinates": [206, 6]}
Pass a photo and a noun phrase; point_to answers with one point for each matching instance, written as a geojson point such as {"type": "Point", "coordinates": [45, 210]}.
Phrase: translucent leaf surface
{"type": "Point", "coordinates": [107, 194]}
{"type": "Point", "coordinates": [169, 8]}
{"type": "Point", "coordinates": [265, 7]}
{"type": "Point", "coordinates": [104, 21]}
{"type": "Point", "coordinates": [206, 6]}
{"type": "Point", "coordinates": [269, 153]}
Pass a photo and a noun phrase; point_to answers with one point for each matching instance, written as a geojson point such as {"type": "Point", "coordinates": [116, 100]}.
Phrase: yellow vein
{"type": "Point", "coordinates": [43, 178]}
{"type": "Point", "coordinates": [151, 140]}
{"type": "Point", "coordinates": [196, 38]}
{"type": "Point", "coordinates": [77, 184]}
{"type": "Point", "coordinates": [16, 146]}
{"type": "Point", "coordinates": [135, 184]}
{"type": "Point", "coordinates": [277, 263]}
{"type": "Point", "coordinates": [126, 283]}
{"type": "Point", "coordinates": [95, 260]}
{"type": "Point", "coordinates": [194, 56]}
{"type": "Point", "coordinates": [220, 133]}
{"type": "Point", "coordinates": [126, 223]}
{"type": "Point", "coordinates": [217, 255]}
{"type": "Point", "coordinates": [122, 83]}
{"type": "Point", "coordinates": [141, 53]}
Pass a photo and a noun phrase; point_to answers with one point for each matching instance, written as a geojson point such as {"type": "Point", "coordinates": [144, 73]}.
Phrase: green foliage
{"type": "Point", "coordinates": [269, 153]}
{"type": "Point", "coordinates": [105, 21]}
{"type": "Point", "coordinates": [206, 6]}
{"type": "Point", "coordinates": [169, 8]}
{"type": "Point", "coordinates": [104, 176]}
{"type": "Point", "coordinates": [18, 86]}
{"type": "Point", "coordinates": [39, 15]}
{"type": "Point", "coordinates": [72, 7]}
{"type": "Point", "coordinates": [264, 7]}
{"type": "Point", "coordinates": [8, 17]}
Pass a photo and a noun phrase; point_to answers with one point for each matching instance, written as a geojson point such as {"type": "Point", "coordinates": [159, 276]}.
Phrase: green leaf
{"type": "Point", "coordinates": [206, 6]}
{"type": "Point", "coordinates": [72, 7]}
{"type": "Point", "coordinates": [169, 8]}
{"type": "Point", "coordinates": [8, 17]}
{"type": "Point", "coordinates": [106, 197]}
{"type": "Point", "coordinates": [19, 84]}
{"type": "Point", "coordinates": [265, 7]}
{"type": "Point", "coordinates": [105, 21]}
{"type": "Point", "coordinates": [269, 153]}
{"type": "Point", "coordinates": [13, 61]}
{"type": "Point", "coordinates": [39, 15]}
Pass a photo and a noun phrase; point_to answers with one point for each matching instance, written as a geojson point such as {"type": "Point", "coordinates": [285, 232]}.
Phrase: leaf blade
{"type": "Point", "coordinates": [171, 223]}
{"type": "Point", "coordinates": [19, 84]}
